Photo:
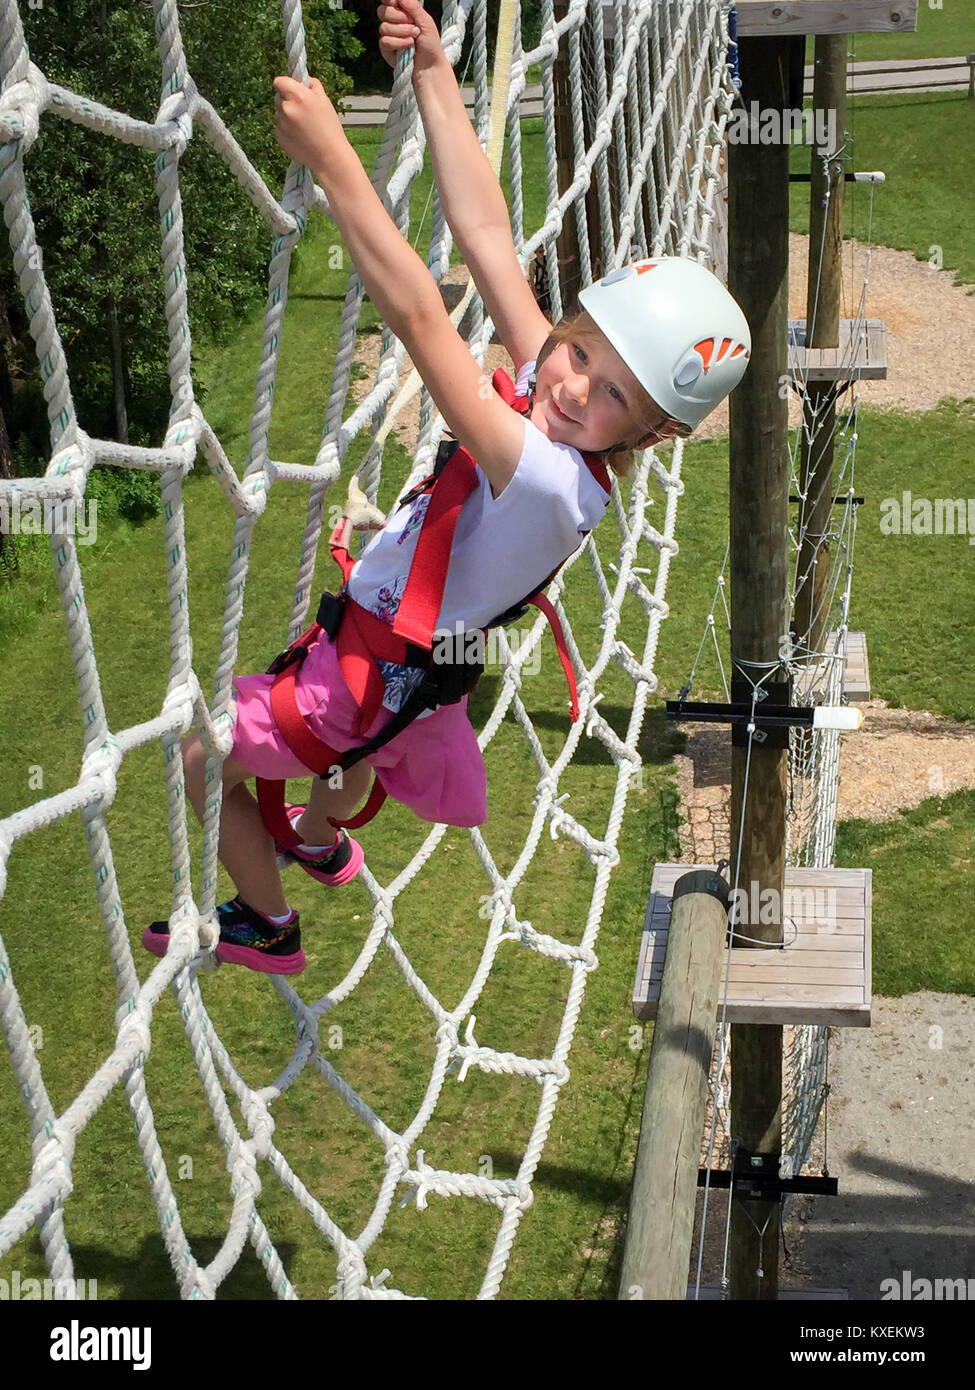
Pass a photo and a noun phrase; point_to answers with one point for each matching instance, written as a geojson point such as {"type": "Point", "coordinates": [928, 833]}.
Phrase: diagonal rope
{"type": "Point", "coordinates": [663, 106]}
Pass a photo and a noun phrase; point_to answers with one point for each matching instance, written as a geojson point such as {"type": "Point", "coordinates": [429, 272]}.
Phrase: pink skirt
{"type": "Point", "coordinates": [434, 765]}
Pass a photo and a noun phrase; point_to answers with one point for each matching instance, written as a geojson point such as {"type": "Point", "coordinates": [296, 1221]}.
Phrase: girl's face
{"type": "Point", "coordinates": [585, 395]}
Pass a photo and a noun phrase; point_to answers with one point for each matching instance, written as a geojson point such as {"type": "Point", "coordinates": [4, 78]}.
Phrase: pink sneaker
{"type": "Point", "coordinates": [246, 938]}
{"type": "Point", "coordinates": [336, 865]}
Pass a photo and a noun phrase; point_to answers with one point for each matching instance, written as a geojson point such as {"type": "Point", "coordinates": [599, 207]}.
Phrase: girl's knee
{"type": "Point", "coordinates": [192, 752]}
{"type": "Point", "coordinates": [195, 761]}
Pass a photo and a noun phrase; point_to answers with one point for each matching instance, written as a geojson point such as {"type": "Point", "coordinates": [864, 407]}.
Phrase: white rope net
{"type": "Point", "coordinates": [659, 108]}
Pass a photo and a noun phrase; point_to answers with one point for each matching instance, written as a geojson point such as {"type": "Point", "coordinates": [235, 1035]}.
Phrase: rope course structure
{"type": "Point", "coordinates": [661, 116]}
{"type": "Point", "coordinates": [818, 673]}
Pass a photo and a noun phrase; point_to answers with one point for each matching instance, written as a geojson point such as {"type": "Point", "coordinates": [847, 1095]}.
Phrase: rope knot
{"type": "Point", "coordinates": [21, 107]}
{"type": "Point", "coordinates": [101, 764]}
{"type": "Point", "coordinates": [351, 1271]}
{"type": "Point", "coordinates": [209, 930]}
{"type": "Point", "coordinates": [512, 675]}
{"type": "Point", "coordinates": [427, 1179]}
{"type": "Point", "coordinates": [383, 910]}
{"type": "Point", "coordinates": [175, 111]}
{"type": "Point", "coordinates": [56, 1154]}
{"type": "Point", "coordinates": [135, 1029]}
{"type": "Point", "coordinates": [260, 1122]}
{"type": "Point", "coordinates": [203, 1286]}
{"type": "Point", "coordinates": [243, 1167]}
{"type": "Point", "coordinates": [398, 1157]}
{"type": "Point", "coordinates": [526, 1196]}
{"type": "Point", "coordinates": [546, 783]}
{"type": "Point", "coordinates": [222, 731]}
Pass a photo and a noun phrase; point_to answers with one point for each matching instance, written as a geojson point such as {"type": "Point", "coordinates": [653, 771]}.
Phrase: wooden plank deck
{"type": "Point", "coordinates": [769, 18]}
{"type": "Point", "coordinates": [856, 677]}
{"type": "Point", "coordinates": [860, 354]}
{"type": "Point", "coordinates": [821, 976]}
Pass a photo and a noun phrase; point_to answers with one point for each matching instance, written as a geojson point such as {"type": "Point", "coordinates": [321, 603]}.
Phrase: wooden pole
{"type": "Point", "coordinates": [657, 1254]}
{"type": "Point", "coordinates": [591, 56]}
{"type": "Point", "coordinates": [758, 277]}
{"type": "Point", "coordinates": [567, 243]}
{"type": "Point", "coordinates": [823, 300]}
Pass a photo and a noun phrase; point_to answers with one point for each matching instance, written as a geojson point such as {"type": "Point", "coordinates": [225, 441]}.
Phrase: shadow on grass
{"type": "Point", "coordinates": [148, 1276]}
{"type": "Point", "coordinates": [599, 1275]}
{"type": "Point", "coordinates": [660, 739]}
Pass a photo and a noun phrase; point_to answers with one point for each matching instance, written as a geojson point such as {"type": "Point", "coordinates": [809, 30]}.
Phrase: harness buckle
{"type": "Point", "coordinates": [291, 656]}
{"type": "Point", "coordinates": [331, 610]}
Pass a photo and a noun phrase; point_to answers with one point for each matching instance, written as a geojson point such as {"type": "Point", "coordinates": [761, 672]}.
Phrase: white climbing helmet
{"type": "Point", "coordinates": [677, 328]}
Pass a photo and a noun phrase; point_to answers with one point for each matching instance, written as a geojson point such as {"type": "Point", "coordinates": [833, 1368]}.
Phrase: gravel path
{"type": "Point", "coordinates": [901, 1139]}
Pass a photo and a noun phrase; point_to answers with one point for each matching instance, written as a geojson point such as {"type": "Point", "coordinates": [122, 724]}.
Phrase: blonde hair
{"type": "Point", "coordinates": [644, 411]}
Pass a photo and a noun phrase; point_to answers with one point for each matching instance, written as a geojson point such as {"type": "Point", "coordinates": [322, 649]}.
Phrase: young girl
{"type": "Point", "coordinates": [654, 347]}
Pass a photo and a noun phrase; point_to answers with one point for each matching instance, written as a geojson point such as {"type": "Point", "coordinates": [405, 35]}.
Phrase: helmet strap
{"type": "Point", "coordinates": [546, 348]}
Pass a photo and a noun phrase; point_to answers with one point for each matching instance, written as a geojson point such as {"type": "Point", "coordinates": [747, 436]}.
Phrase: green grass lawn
{"type": "Point", "coordinates": [917, 141]}
{"type": "Point", "coordinates": [387, 1038]}
{"type": "Point", "coordinates": [60, 962]}
{"type": "Point", "coordinates": [945, 32]}
{"type": "Point", "coordinates": [924, 930]}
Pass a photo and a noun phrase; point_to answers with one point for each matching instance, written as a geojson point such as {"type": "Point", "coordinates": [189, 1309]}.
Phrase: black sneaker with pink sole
{"type": "Point", "coordinates": [246, 938]}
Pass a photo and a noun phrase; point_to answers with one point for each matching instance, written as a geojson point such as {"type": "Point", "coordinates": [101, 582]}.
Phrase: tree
{"type": "Point", "coordinates": [94, 204]}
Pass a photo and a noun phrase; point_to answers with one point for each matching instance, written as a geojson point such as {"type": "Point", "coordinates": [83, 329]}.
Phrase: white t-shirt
{"type": "Point", "coordinates": [504, 547]}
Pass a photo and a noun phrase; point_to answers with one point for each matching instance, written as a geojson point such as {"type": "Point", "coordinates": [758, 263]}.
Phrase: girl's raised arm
{"type": "Point", "coordinates": [396, 280]}
{"type": "Point", "coordinates": [470, 194]}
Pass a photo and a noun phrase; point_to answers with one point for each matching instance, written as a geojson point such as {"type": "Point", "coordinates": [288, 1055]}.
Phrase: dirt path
{"type": "Point", "coordinates": [930, 328]}
{"type": "Point", "coordinates": [896, 760]}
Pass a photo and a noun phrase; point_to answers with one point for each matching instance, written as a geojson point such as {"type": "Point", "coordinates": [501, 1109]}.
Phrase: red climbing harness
{"type": "Point", "coordinates": [363, 639]}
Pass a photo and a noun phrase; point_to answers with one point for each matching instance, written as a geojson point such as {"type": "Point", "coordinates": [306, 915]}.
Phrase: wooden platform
{"type": "Point", "coordinates": [861, 353]}
{"type": "Point", "coordinates": [822, 978]}
{"type": "Point", "coordinates": [856, 677]}
{"type": "Point", "coordinates": [768, 18]}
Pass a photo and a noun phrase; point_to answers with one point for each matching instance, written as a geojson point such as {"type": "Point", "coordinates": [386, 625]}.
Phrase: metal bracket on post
{"type": "Point", "coordinates": [756, 1176]}
{"type": "Point", "coordinates": [770, 721]}
{"type": "Point", "coordinates": [771, 718]}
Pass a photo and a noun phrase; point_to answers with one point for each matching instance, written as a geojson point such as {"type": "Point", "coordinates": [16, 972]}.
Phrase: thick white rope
{"type": "Point", "coordinates": [669, 98]}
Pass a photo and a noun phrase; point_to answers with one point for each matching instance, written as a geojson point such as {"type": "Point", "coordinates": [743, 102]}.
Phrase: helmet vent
{"type": "Point", "coordinates": [688, 371]}
{"type": "Point", "coordinates": [705, 347]}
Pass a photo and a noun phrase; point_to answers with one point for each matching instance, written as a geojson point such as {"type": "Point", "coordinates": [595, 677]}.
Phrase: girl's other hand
{"type": "Point", "coordinates": [306, 124]}
{"type": "Point", "coordinates": [404, 25]}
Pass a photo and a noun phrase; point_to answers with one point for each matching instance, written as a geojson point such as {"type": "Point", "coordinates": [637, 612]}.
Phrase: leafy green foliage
{"type": "Point", "coordinates": [95, 204]}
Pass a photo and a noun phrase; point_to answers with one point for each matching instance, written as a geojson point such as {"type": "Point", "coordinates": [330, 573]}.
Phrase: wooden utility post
{"type": "Point", "coordinates": [823, 296]}
{"type": "Point", "coordinates": [567, 243]}
{"type": "Point", "coordinates": [593, 56]}
{"type": "Point", "coordinates": [657, 1255]}
{"type": "Point", "coordinates": [758, 277]}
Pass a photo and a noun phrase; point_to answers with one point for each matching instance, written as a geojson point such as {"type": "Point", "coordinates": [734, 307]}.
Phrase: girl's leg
{"type": "Point", "coordinates": [338, 801]}
{"type": "Point", "coordinates": [246, 849]}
